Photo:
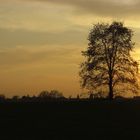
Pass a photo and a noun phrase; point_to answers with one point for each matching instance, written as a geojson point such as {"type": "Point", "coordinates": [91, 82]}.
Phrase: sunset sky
{"type": "Point", "coordinates": [41, 41]}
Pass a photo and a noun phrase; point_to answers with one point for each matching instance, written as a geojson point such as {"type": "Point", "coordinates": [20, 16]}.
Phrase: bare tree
{"type": "Point", "coordinates": [108, 59]}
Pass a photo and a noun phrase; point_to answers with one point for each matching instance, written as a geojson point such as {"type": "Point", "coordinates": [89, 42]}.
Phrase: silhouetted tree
{"type": "Point", "coordinates": [44, 94]}
{"type": "Point", "coordinates": [56, 94]}
{"type": "Point", "coordinates": [27, 98]}
{"type": "Point", "coordinates": [91, 96]}
{"type": "Point", "coordinates": [70, 97]}
{"type": "Point", "coordinates": [78, 96]}
{"type": "Point", "coordinates": [2, 97]}
{"type": "Point", "coordinates": [108, 60]}
{"type": "Point", "coordinates": [15, 98]}
{"type": "Point", "coordinates": [53, 94]}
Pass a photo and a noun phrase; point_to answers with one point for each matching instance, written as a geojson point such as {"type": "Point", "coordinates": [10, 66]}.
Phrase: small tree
{"type": "Point", "coordinates": [108, 59]}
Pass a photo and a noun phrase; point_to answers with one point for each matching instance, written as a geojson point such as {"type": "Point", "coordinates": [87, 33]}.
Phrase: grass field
{"type": "Point", "coordinates": [70, 120]}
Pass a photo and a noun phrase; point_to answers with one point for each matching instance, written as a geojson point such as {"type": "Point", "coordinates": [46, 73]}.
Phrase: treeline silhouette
{"type": "Point", "coordinates": [55, 95]}
{"type": "Point", "coordinates": [45, 95]}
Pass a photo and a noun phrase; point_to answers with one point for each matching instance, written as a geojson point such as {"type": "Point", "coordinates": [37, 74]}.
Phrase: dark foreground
{"type": "Point", "coordinates": [70, 120]}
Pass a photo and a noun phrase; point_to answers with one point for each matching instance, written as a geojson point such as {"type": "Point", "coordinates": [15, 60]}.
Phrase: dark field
{"type": "Point", "coordinates": [70, 120]}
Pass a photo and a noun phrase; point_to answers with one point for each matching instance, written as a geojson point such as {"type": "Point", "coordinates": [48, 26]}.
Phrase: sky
{"type": "Point", "coordinates": [41, 41]}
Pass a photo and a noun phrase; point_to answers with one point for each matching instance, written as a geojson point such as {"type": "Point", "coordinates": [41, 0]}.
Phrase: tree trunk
{"type": "Point", "coordinates": [110, 88]}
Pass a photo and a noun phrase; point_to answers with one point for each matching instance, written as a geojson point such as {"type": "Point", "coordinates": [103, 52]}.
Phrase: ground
{"type": "Point", "coordinates": [103, 119]}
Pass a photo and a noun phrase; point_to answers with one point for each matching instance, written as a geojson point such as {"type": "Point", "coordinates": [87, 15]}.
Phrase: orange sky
{"type": "Point", "coordinates": [41, 41]}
